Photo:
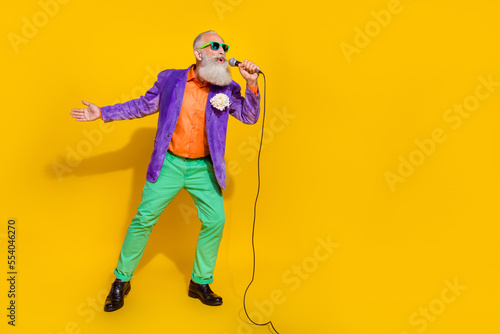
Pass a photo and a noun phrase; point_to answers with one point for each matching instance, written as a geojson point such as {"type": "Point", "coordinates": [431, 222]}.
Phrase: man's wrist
{"type": "Point", "coordinates": [252, 83]}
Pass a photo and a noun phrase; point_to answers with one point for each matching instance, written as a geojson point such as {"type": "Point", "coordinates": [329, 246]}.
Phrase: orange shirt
{"type": "Point", "coordinates": [190, 135]}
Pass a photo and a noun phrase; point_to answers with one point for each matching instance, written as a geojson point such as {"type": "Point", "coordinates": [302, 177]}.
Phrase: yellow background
{"type": "Point", "coordinates": [335, 125]}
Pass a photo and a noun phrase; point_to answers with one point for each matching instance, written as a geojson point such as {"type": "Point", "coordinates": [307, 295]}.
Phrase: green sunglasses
{"type": "Point", "coordinates": [215, 46]}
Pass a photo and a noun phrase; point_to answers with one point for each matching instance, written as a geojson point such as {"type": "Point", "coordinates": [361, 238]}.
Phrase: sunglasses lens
{"type": "Point", "coordinates": [225, 47]}
{"type": "Point", "coordinates": [215, 46]}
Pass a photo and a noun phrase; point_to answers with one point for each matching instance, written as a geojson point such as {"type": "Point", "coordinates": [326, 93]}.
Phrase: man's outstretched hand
{"type": "Point", "coordinates": [86, 114]}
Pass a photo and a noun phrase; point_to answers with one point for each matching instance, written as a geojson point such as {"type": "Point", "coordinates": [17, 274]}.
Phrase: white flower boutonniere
{"type": "Point", "coordinates": [220, 101]}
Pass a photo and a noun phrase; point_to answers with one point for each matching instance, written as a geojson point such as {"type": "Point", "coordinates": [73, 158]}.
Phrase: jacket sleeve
{"type": "Point", "coordinates": [246, 109]}
{"type": "Point", "coordinates": [137, 108]}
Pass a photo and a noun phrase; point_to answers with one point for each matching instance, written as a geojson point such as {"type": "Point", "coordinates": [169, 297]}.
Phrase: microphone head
{"type": "Point", "coordinates": [233, 62]}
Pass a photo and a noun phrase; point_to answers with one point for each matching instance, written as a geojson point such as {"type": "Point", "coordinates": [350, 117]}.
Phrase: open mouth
{"type": "Point", "coordinates": [221, 60]}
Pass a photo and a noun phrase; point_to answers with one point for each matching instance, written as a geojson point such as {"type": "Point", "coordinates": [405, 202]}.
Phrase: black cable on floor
{"type": "Point", "coordinates": [255, 214]}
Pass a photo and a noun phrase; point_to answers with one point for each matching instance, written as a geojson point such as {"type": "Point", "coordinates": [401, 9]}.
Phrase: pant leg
{"type": "Point", "coordinates": [202, 185]}
{"type": "Point", "coordinates": [155, 197]}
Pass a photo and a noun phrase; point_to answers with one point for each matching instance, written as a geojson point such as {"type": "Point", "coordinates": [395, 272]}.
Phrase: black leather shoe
{"type": "Point", "coordinates": [116, 296]}
{"type": "Point", "coordinates": [204, 294]}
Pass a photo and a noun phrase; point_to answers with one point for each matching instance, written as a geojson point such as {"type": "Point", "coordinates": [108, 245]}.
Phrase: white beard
{"type": "Point", "coordinates": [215, 73]}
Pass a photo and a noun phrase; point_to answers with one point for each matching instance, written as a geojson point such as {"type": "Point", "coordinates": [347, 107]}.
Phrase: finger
{"type": "Point", "coordinates": [250, 64]}
{"type": "Point", "coordinates": [251, 69]}
{"type": "Point", "coordinates": [79, 116]}
{"type": "Point", "coordinates": [78, 109]}
{"type": "Point", "coordinates": [245, 66]}
{"type": "Point", "coordinates": [86, 103]}
{"type": "Point", "coordinates": [254, 68]}
{"type": "Point", "coordinates": [245, 69]}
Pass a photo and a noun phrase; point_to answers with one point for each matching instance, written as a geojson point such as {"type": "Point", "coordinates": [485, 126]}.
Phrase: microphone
{"type": "Point", "coordinates": [234, 63]}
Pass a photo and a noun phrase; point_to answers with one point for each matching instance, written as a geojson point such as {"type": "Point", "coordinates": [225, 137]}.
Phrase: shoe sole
{"type": "Point", "coordinates": [194, 295]}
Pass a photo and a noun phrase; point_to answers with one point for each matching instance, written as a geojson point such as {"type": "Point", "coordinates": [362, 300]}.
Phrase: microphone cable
{"type": "Point", "coordinates": [255, 214]}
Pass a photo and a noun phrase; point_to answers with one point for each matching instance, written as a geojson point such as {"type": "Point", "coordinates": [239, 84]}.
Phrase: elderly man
{"type": "Point", "coordinates": [193, 105]}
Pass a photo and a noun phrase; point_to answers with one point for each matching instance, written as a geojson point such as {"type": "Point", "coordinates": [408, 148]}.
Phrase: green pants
{"type": "Point", "coordinates": [198, 178]}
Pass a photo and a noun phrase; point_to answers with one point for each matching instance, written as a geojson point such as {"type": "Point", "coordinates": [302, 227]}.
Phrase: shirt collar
{"type": "Point", "coordinates": [191, 77]}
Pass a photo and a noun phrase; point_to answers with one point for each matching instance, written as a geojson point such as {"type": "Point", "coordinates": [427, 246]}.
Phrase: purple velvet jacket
{"type": "Point", "coordinates": [166, 96]}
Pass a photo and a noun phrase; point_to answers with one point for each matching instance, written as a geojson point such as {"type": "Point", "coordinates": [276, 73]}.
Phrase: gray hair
{"type": "Point", "coordinates": [197, 41]}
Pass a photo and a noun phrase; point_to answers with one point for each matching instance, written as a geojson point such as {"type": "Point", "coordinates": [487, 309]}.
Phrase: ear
{"type": "Point", "coordinates": [198, 55]}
